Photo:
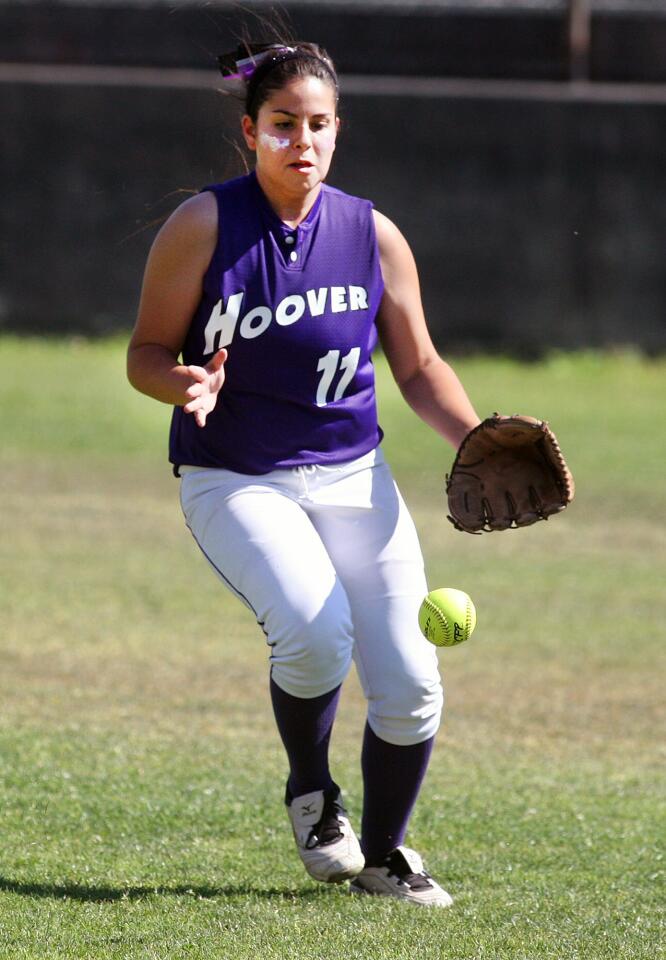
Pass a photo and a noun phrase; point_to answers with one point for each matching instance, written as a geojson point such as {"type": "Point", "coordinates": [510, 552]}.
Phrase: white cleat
{"type": "Point", "coordinates": [326, 843]}
{"type": "Point", "coordinates": [401, 875]}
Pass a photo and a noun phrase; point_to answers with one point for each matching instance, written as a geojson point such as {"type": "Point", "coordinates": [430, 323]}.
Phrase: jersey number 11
{"type": "Point", "coordinates": [328, 366]}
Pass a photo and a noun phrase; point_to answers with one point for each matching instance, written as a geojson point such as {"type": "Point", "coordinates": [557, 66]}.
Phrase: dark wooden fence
{"type": "Point", "coordinates": [536, 208]}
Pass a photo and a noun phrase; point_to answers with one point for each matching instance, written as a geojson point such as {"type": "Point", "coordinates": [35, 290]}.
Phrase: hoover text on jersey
{"type": "Point", "coordinates": [288, 311]}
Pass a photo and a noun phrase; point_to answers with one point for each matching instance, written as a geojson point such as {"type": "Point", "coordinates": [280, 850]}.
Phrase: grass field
{"type": "Point", "coordinates": [141, 777]}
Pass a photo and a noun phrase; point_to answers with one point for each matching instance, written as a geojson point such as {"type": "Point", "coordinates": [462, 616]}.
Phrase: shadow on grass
{"type": "Point", "coordinates": [108, 894]}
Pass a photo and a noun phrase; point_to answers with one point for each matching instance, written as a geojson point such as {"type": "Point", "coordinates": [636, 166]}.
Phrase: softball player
{"type": "Point", "coordinates": [274, 287]}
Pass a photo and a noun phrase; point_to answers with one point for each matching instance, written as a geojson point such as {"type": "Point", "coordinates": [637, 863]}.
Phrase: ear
{"type": "Point", "coordinates": [247, 126]}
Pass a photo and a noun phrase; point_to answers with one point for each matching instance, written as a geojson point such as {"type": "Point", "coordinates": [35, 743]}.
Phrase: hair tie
{"type": "Point", "coordinates": [250, 63]}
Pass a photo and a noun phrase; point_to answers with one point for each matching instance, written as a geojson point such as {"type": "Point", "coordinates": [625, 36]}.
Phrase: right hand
{"type": "Point", "coordinates": [207, 384]}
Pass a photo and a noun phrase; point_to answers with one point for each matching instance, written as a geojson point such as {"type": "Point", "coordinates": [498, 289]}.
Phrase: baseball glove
{"type": "Point", "coordinates": [508, 472]}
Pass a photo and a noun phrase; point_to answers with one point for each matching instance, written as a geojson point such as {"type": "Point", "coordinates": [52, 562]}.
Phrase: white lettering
{"type": "Point", "coordinates": [358, 298]}
{"type": "Point", "coordinates": [338, 302]}
{"type": "Point", "coordinates": [222, 323]}
{"type": "Point", "coordinates": [317, 301]}
{"type": "Point", "coordinates": [250, 331]}
{"type": "Point", "coordinates": [290, 310]}
{"type": "Point", "coordinates": [348, 365]}
{"type": "Point", "coordinates": [327, 366]}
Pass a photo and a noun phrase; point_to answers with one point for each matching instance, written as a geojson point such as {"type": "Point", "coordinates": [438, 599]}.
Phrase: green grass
{"type": "Point", "coordinates": [140, 774]}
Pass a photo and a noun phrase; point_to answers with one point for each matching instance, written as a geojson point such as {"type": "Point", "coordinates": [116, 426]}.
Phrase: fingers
{"type": "Point", "coordinates": [214, 365]}
{"type": "Point", "coordinates": [201, 377]}
{"type": "Point", "coordinates": [196, 390]}
{"type": "Point", "coordinates": [199, 374]}
{"type": "Point", "coordinates": [199, 411]}
{"type": "Point", "coordinates": [207, 381]}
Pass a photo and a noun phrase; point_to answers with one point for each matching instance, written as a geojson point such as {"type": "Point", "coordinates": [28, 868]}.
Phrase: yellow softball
{"type": "Point", "coordinates": [447, 617]}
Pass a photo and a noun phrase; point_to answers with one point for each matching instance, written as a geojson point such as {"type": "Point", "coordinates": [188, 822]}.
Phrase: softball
{"type": "Point", "coordinates": [447, 617]}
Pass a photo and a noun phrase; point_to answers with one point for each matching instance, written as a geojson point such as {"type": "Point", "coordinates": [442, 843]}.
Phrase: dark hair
{"type": "Point", "coordinates": [289, 63]}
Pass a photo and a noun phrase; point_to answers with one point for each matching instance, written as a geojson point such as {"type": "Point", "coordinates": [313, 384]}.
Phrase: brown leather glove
{"type": "Point", "coordinates": [508, 472]}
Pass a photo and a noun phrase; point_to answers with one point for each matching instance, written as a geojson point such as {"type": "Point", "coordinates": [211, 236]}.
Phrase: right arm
{"type": "Point", "coordinates": [172, 287]}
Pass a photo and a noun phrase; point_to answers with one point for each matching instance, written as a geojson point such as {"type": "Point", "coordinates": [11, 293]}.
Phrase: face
{"type": "Point", "coordinates": [294, 136]}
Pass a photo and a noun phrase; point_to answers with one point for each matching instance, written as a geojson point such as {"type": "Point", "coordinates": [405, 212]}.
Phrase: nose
{"type": "Point", "coordinates": [303, 136]}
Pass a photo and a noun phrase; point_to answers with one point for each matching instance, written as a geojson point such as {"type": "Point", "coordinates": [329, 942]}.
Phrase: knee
{"type": "Point", "coordinates": [309, 657]}
{"type": "Point", "coordinates": [410, 712]}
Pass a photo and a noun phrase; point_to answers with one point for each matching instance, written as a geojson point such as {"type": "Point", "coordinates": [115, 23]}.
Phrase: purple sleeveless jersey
{"type": "Point", "coordinates": [296, 310]}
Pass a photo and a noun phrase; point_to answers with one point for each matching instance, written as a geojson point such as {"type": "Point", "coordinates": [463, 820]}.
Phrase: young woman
{"type": "Point", "coordinates": [274, 288]}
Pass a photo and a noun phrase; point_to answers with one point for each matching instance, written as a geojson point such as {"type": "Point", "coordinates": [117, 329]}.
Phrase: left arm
{"type": "Point", "coordinates": [428, 384]}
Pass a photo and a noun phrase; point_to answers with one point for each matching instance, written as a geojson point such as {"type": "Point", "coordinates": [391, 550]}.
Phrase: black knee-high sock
{"type": "Point", "coordinates": [305, 727]}
{"type": "Point", "coordinates": [392, 777]}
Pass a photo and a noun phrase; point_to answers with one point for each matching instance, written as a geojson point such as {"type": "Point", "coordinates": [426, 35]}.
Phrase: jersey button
{"type": "Point", "coordinates": [293, 256]}
{"type": "Point", "coordinates": [289, 239]}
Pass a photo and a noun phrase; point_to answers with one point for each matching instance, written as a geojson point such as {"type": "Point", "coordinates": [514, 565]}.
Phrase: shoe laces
{"type": "Point", "coordinates": [398, 866]}
{"type": "Point", "coordinates": [327, 829]}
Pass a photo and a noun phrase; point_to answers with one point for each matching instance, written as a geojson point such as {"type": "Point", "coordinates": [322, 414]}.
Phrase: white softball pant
{"type": "Point", "coordinates": [328, 560]}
